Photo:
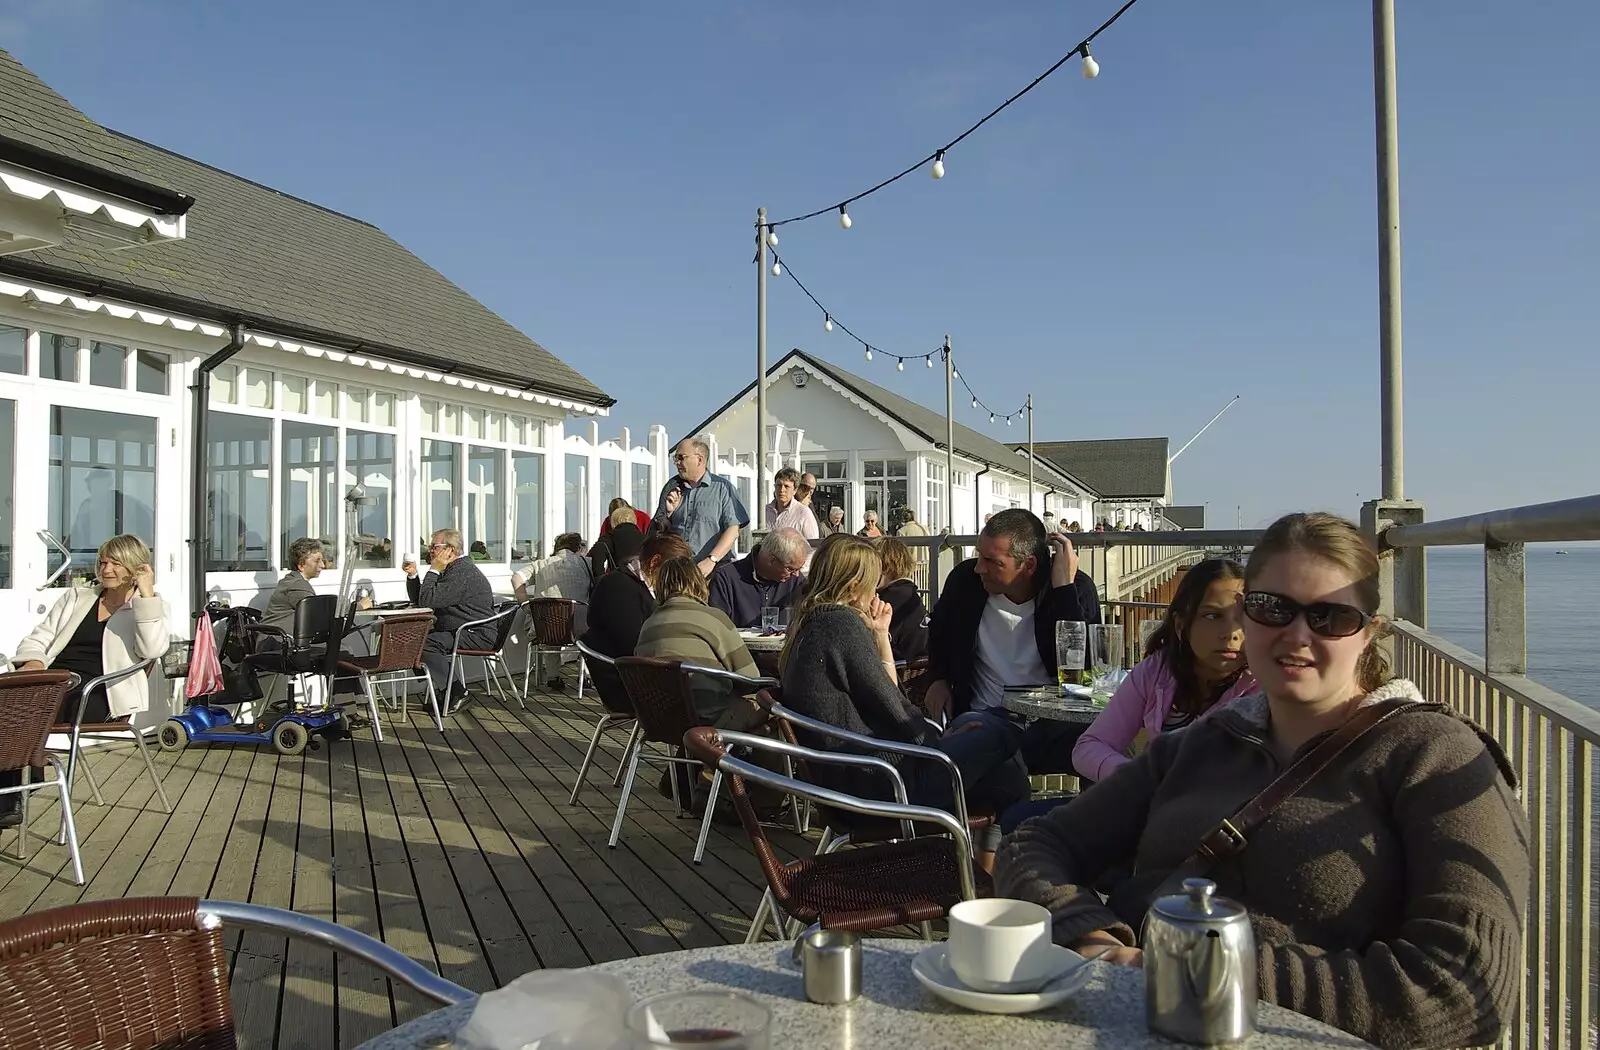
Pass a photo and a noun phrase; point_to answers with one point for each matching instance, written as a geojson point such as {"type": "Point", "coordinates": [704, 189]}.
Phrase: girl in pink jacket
{"type": "Point", "coordinates": [1195, 663]}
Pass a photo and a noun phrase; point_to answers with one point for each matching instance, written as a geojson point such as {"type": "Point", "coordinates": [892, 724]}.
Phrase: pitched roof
{"type": "Point", "coordinates": [41, 130]}
{"type": "Point", "coordinates": [1116, 468]}
{"type": "Point", "coordinates": [1186, 517]}
{"type": "Point", "coordinates": [919, 419]}
{"type": "Point", "coordinates": [294, 269]}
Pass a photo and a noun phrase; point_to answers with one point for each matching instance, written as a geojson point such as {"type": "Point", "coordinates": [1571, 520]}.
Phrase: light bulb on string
{"type": "Point", "coordinates": [955, 373]}
{"type": "Point", "coordinates": [1091, 68]}
{"type": "Point", "coordinates": [928, 361]}
{"type": "Point", "coordinates": [827, 323]}
{"type": "Point", "coordinates": [900, 364]}
{"type": "Point", "coordinates": [938, 165]}
{"type": "Point", "coordinates": [772, 237]}
{"type": "Point", "coordinates": [777, 268]}
{"type": "Point", "coordinates": [869, 353]}
{"type": "Point", "coordinates": [991, 417]}
{"type": "Point", "coordinates": [974, 402]}
{"type": "Point", "coordinates": [1008, 421]}
{"type": "Point", "coordinates": [844, 218]}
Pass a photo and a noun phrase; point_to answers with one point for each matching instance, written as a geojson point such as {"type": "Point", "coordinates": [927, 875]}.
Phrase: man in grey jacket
{"type": "Point", "coordinates": [458, 593]}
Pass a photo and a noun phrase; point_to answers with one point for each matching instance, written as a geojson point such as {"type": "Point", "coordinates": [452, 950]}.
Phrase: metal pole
{"type": "Point", "coordinates": [950, 441]}
{"type": "Point", "coordinates": [758, 512]}
{"type": "Point", "coordinates": [1030, 455]}
{"type": "Point", "coordinates": [1392, 409]}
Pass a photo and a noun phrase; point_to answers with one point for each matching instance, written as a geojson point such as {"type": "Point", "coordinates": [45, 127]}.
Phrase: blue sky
{"type": "Point", "coordinates": [1197, 222]}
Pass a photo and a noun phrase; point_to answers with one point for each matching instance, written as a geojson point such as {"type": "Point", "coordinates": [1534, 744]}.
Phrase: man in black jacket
{"type": "Point", "coordinates": [458, 593]}
{"type": "Point", "coordinates": [994, 627]}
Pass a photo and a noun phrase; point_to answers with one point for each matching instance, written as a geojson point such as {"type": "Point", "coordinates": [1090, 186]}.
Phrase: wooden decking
{"type": "Point", "coordinates": [458, 849]}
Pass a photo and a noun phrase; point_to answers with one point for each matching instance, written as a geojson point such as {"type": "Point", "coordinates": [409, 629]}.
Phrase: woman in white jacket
{"type": "Point", "coordinates": [95, 631]}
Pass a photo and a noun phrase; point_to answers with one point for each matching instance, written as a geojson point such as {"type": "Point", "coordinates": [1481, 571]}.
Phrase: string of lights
{"type": "Point", "coordinates": [936, 159]}
{"type": "Point", "coordinates": [830, 322]}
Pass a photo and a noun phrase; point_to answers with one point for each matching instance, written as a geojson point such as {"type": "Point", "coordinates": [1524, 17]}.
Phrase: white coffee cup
{"type": "Point", "coordinates": [999, 945]}
{"type": "Point", "coordinates": [408, 559]}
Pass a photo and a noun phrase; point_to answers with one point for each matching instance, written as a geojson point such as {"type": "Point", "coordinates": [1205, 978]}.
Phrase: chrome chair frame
{"type": "Point", "coordinates": [370, 950]}
{"type": "Point", "coordinates": [608, 720]}
{"type": "Point", "coordinates": [68, 834]}
{"type": "Point", "coordinates": [493, 664]}
{"type": "Point", "coordinates": [900, 811]}
{"type": "Point", "coordinates": [373, 684]}
{"type": "Point", "coordinates": [533, 655]}
{"type": "Point", "coordinates": [74, 749]}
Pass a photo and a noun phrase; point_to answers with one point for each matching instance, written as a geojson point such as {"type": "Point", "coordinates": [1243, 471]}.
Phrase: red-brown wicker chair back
{"type": "Point", "coordinates": [29, 701]}
{"type": "Point", "coordinates": [553, 620]}
{"type": "Point", "coordinates": [663, 700]}
{"type": "Point", "coordinates": [136, 973]}
{"type": "Point", "coordinates": [400, 642]}
{"type": "Point", "coordinates": [704, 743]}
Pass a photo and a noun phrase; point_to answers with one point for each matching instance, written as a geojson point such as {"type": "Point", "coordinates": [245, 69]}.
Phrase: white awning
{"type": "Point", "coordinates": [29, 293]}
{"type": "Point", "coordinates": [90, 212]}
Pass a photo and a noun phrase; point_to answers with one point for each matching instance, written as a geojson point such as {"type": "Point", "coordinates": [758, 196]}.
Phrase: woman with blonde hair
{"type": "Point", "coordinates": [685, 628]}
{"type": "Point", "coordinates": [1386, 892]}
{"type": "Point", "coordinates": [908, 626]}
{"type": "Point", "coordinates": [838, 667]}
{"type": "Point", "coordinates": [95, 631]}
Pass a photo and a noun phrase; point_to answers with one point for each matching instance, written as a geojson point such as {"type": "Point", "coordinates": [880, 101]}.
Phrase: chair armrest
{"type": "Point", "coordinates": [850, 803]}
{"type": "Point", "coordinates": [212, 914]}
{"type": "Point", "coordinates": [744, 685]}
{"type": "Point", "coordinates": [806, 754]}
{"type": "Point", "coordinates": [486, 621]}
{"type": "Point", "coordinates": [105, 681]}
{"type": "Point", "coordinates": [878, 744]}
{"type": "Point", "coordinates": [593, 654]}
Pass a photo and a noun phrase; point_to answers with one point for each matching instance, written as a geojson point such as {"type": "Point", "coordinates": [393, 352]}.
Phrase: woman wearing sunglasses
{"type": "Point", "coordinates": [1386, 894]}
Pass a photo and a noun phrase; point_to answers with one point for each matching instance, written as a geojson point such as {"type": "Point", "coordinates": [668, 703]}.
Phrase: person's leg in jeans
{"type": "Point", "coordinates": [436, 658]}
{"type": "Point", "coordinates": [981, 742]}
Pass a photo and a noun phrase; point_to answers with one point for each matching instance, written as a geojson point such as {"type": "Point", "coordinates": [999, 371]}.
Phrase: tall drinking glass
{"type": "Point", "coordinates": [1105, 659]}
{"type": "Point", "coordinates": [1071, 642]}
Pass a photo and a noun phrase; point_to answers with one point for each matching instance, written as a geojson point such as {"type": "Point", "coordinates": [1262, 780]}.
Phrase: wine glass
{"type": "Point", "coordinates": [1105, 658]}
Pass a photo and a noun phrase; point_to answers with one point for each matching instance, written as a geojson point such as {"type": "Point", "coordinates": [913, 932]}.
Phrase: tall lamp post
{"type": "Point", "coordinates": [761, 364]}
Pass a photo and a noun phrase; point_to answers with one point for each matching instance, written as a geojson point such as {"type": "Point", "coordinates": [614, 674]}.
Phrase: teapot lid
{"type": "Point", "coordinates": [1199, 903]}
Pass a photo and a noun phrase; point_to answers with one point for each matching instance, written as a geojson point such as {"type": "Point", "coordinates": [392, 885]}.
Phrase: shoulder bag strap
{"type": "Point", "coordinates": [1230, 837]}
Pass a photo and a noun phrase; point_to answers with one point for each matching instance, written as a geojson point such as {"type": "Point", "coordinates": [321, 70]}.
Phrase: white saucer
{"type": "Point", "coordinates": [931, 968]}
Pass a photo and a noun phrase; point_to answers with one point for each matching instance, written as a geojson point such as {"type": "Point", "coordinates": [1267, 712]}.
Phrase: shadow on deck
{"type": "Point", "coordinates": [458, 849]}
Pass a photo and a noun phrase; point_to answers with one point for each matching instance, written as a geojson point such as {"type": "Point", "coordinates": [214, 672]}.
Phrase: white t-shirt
{"type": "Point", "coordinates": [1007, 653]}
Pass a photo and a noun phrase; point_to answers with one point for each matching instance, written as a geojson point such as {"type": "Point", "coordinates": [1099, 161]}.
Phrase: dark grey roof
{"type": "Point", "coordinates": [1186, 517]}
{"type": "Point", "coordinates": [41, 130]}
{"type": "Point", "coordinates": [917, 418]}
{"type": "Point", "coordinates": [276, 263]}
{"type": "Point", "coordinates": [1116, 468]}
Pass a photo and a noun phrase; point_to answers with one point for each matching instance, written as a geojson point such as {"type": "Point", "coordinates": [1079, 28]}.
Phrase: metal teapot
{"type": "Point", "coordinates": [1199, 967]}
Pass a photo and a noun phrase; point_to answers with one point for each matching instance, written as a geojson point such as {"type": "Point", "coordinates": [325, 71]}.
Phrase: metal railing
{"type": "Point", "coordinates": [1552, 742]}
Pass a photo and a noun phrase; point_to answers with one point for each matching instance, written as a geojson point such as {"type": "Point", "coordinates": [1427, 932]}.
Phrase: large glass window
{"type": "Point", "coordinates": [527, 508]}
{"type": "Point", "coordinates": [369, 462]}
{"type": "Point", "coordinates": [610, 481]}
{"type": "Point", "coordinates": [151, 372]}
{"type": "Point", "coordinates": [935, 507]}
{"type": "Point", "coordinates": [486, 508]}
{"type": "Point", "coordinates": [239, 492]}
{"type": "Point", "coordinates": [102, 482]}
{"type": "Point", "coordinates": [310, 464]}
{"type": "Point", "coordinates": [643, 498]}
{"type": "Point", "coordinates": [441, 471]}
{"type": "Point", "coordinates": [108, 365]}
{"type": "Point", "coordinates": [8, 469]}
{"type": "Point", "coordinates": [58, 357]}
{"type": "Point", "coordinates": [577, 492]}
{"type": "Point", "coordinates": [13, 349]}
{"type": "Point", "coordinates": [885, 488]}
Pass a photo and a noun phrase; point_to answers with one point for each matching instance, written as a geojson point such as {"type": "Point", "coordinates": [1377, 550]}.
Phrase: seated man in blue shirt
{"type": "Point", "coordinates": [700, 506]}
{"type": "Point", "coordinates": [768, 576]}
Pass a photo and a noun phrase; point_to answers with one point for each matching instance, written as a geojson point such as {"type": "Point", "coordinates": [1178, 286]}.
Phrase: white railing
{"type": "Point", "coordinates": [1552, 742]}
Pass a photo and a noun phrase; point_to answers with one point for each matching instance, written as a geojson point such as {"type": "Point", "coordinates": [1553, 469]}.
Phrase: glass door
{"type": "Point", "coordinates": [102, 482]}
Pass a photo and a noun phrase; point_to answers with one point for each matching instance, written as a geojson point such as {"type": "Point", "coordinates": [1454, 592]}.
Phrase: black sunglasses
{"type": "Point", "coordinates": [1329, 619]}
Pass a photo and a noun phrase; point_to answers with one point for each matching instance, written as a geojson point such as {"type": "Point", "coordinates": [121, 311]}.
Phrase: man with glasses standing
{"type": "Point", "coordinates": [700, 506]}
{"type": "Point", "coordinates": [767, 577]}
{"type": "Point", "coordinates": [458, 593]}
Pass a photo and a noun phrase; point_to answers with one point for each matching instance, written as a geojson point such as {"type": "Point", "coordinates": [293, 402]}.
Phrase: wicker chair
{"type": "Point", "coordinates": [152, 972]}
{"type": "Point", "coordinates": [663, 700]}
{"type": "Point", "coordinates": [29, 701]}
{"type": "Point", "coordinates": [554, 622]}
{"type": "Point", "coordinates": [78, 730]}
{"type": "Point", "coordinates": [618, 712]}
{"type": "Point", "coordinates": [505, 615]}
{"type": "Point", "coordinates": [913, 880]}
{"type": "Point", "coordinates": [396, 661]}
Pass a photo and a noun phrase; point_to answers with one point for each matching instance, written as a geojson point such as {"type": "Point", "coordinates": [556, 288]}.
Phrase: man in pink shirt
{"type": "Point", "coordinates": [786, 512]}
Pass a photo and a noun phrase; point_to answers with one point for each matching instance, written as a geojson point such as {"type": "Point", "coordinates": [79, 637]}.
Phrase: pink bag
{"type": "Point", "coordinates": [205, 669]}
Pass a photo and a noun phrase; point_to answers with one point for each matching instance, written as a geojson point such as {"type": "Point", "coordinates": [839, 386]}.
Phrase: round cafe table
{"type": "Point", "coordinates": [764, 649]}
{"type": "Point", "coordinates": [1050, 705]}
{"type": "Point", "coordinates": [894, 1010]}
